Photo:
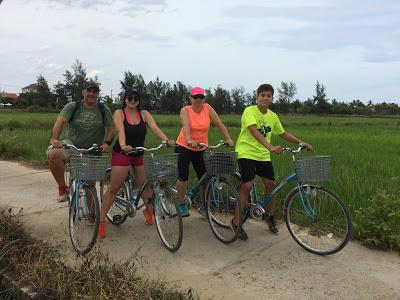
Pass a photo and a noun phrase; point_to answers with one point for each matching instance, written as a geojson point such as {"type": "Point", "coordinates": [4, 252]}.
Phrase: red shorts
{"type": "Point", "coordinates": [121, 160]}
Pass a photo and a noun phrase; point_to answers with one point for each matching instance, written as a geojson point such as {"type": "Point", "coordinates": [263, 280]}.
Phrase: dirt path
{"type": "Point", "coordinates": [265, 267]}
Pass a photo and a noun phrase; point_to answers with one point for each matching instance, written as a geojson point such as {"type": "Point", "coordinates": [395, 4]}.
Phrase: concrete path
{"type": "Point", "coordinates": [264, 267]}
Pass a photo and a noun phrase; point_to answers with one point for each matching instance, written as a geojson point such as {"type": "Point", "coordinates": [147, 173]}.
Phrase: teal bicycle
{"type": "Point", "coordinates": [316, 217]}
{"type": "Point", "coordinates": [220, 200]}
{"type": "Point", "coordinates": [82, 172]}
{"type": "Point", "coordinates": [161, 172]}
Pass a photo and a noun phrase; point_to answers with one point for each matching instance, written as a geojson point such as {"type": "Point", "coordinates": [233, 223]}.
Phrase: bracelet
{"type": "Point", "coordinates": [122, 146]}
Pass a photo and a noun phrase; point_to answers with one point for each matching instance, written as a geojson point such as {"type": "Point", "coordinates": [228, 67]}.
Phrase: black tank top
{"type": "Point", "coordinates": [134, 134]}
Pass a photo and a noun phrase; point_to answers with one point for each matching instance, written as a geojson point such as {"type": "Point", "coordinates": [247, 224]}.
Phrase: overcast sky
{"type": "Point", "coordinates": [352, 47]}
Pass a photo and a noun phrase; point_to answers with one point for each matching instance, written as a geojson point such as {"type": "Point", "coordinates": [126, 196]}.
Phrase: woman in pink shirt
{"type": "Point", "coordinates": [196, 119]}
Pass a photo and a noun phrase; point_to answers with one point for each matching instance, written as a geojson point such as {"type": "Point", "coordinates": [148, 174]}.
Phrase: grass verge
{"type": "Point", "coordinates": [39, 265]}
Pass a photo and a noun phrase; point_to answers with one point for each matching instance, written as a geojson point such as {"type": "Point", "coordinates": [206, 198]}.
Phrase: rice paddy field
{"type": "Point", "coordinates": [365, 150]}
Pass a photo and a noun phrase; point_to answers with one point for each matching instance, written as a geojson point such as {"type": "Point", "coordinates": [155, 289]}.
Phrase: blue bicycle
{"type": "Point", "coordinates": [161, 173]}
{"type": "Point", "coordinates": [316, 218]}
{"type": "Point", "coordinates": [220, 200]}
{"type": "Point", "coordinates": [84, 212]}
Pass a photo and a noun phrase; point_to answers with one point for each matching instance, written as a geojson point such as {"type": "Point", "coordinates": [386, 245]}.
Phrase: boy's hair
{"type": "Point", "coordinates": [265, 88]}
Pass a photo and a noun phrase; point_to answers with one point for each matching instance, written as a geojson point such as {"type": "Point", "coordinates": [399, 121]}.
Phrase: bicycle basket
{"type": "Point", "coordinates": [163, 168]}
{"type": "Point", "coordinates": [87, 167]}
{"type": "Point", "coordinates": [218, 163]}
{"type": "Point", "coordinates": [313, 169]}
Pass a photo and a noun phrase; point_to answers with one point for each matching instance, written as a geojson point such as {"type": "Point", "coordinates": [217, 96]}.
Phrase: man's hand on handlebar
{"type": "Point", "coordinates": [56, 143]}
{"type": "Point", "coordinates": [105, 148]}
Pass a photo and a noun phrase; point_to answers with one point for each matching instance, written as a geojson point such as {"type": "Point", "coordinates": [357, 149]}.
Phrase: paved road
{"type": "Point", "coordinates": [264, 267]}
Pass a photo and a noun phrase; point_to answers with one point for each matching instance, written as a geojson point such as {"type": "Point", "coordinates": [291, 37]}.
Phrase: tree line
{"type": "Point", "coordinates": [164, 97]}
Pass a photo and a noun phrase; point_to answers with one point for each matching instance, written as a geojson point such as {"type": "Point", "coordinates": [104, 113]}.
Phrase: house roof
{"type": "Point", "coordinates": [9, 95]}
{"type": "Point", "coordinates": [33, 85]}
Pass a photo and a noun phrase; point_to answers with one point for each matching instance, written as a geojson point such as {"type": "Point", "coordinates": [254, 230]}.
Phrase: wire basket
{"type": "Point", "coordinates": [88, 167]}
{"type": "Point", "coordinates": [313, 169]}
{"type": "Point", "coordinates": [218, 163]}
{"type": "Point", "coordinates": [163, 168]}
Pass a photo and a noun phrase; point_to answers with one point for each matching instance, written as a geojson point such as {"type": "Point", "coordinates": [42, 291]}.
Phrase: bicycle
{"type": "Point", "coordinates": [315, 216]}
{"type": "Point", "coordinates": [84, 210]}
{"type": "Point", "coordinates": [220, 197]}
{"type": "Point", "coordinates": [161, 172]}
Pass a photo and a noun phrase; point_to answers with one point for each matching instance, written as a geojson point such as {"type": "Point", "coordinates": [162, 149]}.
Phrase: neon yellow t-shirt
{"type": "Point", "coordinates": [247, 146]}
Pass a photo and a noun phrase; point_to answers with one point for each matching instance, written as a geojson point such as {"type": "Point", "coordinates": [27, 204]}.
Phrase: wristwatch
{"type": "Point", "coordinates": [108, 143]}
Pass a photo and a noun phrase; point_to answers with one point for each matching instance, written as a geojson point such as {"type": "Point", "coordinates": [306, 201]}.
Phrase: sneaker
{"type": "Point", "coordinates": [202, 210]}
{"type": "Point", "coordinates": [183, 210]}
{"type": "Point", "coordinates": [270, 220]}
{"type": "Point", "coordinates": [148, 216]}
{"type": "Point", "coordinates": [102, 230]}
{"type": "Point", "coordinates": [62, 194]}
{"type": "Point", "coordinates": [242, 235]}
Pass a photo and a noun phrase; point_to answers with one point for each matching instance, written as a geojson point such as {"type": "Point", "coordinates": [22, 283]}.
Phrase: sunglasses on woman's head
{"type": "Point", "coordinates": [132, 97]}
{"type": "Point", "coordinates": [198, 97]}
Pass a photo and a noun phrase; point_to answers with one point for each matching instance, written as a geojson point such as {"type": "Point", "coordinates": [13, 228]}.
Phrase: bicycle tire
{"type": "Point", "coordinates": [116, 209]}
{"type": "Point", "coordinates": [166, 210]}
{"type": "Point", "coordinates": [81, 217]}
{"type": "Point", "coordinates": [222, 202]}
{"type": "Point", "coordinates": [308, 228]}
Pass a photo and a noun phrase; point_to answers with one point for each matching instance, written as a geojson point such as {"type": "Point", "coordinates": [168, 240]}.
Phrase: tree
{"type": "Point", "coordinates": [71, 88]}
{"type": "Point", "coordinates": [238, 96]}
{"type": "Point", "coordinates": [319, 101]}
{"type": "Point", "coordinates": [286, 92]}
{"type": "Point", "coordinates": [43, 96]}
{"type": "Point", "coordinates": [222, 100]}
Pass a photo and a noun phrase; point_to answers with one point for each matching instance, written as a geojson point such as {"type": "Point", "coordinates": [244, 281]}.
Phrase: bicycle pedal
{"type": "Point", "coordinates": [117, 218]}
{"type": "Point", "coordinates": [131, 211]}
{"type": "Point", "coordinates": [256, 211]}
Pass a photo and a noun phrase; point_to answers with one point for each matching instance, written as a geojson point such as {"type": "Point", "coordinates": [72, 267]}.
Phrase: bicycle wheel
{"type": "Point", "coordinates": [167, 218]}
{"type": "Point", "coordinates": [222, 204]}
{"type": "Point", "coordinates": [84, 218]}
{"type": "Point", "coordinates": [117, 214]}
{"type": "Point", "coordinates": [317, 219]}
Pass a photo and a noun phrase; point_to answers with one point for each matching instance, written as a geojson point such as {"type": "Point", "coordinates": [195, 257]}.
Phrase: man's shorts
{"type": "Point", "coordinates": [121, 160]}
{"type": "Point", "coordinates": [66, 152]}
{"type": "Point", "coordinates": [249, 168]}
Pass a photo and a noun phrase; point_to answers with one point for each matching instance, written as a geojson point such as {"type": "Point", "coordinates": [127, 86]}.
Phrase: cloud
{"type": "Point", "coordinates": [333, 25]}
{"type": "Point", "coordinates": [94, 73]}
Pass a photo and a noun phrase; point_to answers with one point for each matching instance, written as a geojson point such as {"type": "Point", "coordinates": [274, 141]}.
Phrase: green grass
{"type": "Point", "coordinates": [365, 150]}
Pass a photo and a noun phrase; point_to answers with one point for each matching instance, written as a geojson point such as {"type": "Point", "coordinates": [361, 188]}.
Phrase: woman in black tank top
{"type": "Point", "coordinates": [131, 124]}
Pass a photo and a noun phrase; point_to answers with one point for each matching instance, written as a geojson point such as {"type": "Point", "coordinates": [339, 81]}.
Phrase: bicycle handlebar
{"type": "Point", "coordinates": [95, 147]}
{"type": "Point", "coordinates": [136, 149]}
{"type": "Point", "coordinates": [299, 149]}
{"type": "Point", "coordinates": [221, 143]}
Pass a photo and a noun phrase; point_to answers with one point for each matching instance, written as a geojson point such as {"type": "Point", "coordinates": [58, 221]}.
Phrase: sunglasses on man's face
{"type": "Point", "coordinates": [198, 97]}
{"type": "Point", "coordinates": [132, 97]}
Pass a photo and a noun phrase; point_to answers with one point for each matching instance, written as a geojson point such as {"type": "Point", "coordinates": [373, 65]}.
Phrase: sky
{"type": "Point", "coordinates": [352, 47]}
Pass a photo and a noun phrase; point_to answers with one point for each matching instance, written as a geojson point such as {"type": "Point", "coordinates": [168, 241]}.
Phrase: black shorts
{"type": "Point", "coordinates": [249, 168]}
{"type": "Point", "coordinates": [185, 157]}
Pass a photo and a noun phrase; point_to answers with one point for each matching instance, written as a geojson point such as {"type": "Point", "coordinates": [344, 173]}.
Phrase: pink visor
{"type": "Point", "coordinates": [197, 91]}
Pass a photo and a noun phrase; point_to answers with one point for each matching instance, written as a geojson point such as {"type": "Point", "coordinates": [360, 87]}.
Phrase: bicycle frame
{"type": "Point", "coordinates": [131, 194]}
{"type": "Point", "coordinates": [292, 177]}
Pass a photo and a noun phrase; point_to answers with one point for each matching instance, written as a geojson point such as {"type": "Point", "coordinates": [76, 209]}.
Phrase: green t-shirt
{"type": "Point", "coordinates": [247, 146]}
{"type": "Point", "coordinates": [87, 126]}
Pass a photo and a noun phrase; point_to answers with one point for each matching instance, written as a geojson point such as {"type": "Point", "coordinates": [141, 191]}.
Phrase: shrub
{"type": "Point", "coordinates": [378, 224]}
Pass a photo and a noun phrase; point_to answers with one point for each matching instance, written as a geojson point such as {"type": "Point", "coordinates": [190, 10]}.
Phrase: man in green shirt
{"type": "Point", "coordinates": [254, 146]}
{"type": "Point", "coordinates": [88, 124]}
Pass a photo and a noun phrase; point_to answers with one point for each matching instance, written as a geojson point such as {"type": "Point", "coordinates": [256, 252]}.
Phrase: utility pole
{"type": "Point", "coordinates": [112, 100]}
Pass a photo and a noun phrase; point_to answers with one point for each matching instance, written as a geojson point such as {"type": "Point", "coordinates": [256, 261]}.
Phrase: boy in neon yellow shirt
{"type": "Point", "coordinates": [254, 146]}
